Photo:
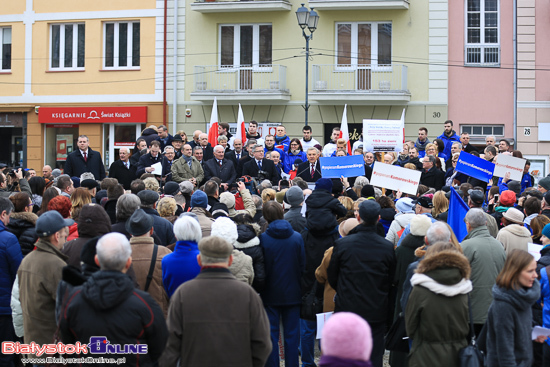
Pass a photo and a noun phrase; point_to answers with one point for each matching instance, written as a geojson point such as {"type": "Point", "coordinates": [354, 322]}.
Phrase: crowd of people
{"type": "Point", "coordinates": [203, 252]}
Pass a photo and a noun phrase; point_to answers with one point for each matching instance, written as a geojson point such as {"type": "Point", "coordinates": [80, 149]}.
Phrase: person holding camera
{"type": "Point", "coordinates": [260, 167]}
{"type": "Point", "coordinates": [17, 183]}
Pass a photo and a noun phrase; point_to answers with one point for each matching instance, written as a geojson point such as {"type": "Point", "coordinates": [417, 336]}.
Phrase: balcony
{"type": "Point", "coordinates": [360, 84]}
{"type": "Point", "coordinates": [360, 4]}
{"type": "Point", "coordinates": [244, 84]}
{"type": "Point", "coordinates": [229, 6]}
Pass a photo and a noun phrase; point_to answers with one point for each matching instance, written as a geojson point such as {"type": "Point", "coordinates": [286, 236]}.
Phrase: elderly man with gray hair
{"type": "Point", "coordinates": [123, 170]}
{"type": "Point", "coordinates": [107, 307]}
{"type": "Point", "coordinates": [431, 175]}
{"type": "Point", "coordinates": [211, 307]}
{"type": "Point", "coordinates": [486, 256]}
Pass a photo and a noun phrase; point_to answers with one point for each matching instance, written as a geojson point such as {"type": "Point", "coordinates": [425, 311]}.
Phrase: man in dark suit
{"type": "Point", "coordinates": [140, 145]}
{"type": "Point", "coordinates": [165, 137]}
{"type": "Point", "coordinates": [237, 153]}
{"type": "Point", "coordinates": [123, 170]}
{"type": "Point", "coordinates": [207, 150]}
{"type": "Point", "coordinates": [310, 171]}
{"type": "Point", "coordinates": [147, 160]}
{"type": "Point", "coordinates": [246, 158]}
{"type": "Point", "coordinates": [465, 141]}
{"type": "Point", "coordinates": [431, 175]}
{"type": "Point", "coordinates": [84, 160]}
{"type": "Point", "coordinates": [220, 167]}
{"type": "Point", "coordinates": [259, 163]}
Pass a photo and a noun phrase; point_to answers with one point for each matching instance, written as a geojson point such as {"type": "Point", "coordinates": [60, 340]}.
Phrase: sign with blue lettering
{"type": "Point", "coordinates": [475, 167]}
{"type": "Point", "coordinates": [336, 167]}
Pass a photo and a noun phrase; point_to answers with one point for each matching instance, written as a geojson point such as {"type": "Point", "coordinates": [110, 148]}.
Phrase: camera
{"type": "Point", "coordinates": [263, 175]}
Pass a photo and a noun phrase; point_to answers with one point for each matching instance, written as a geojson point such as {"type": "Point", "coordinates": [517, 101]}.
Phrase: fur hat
{"type": "Point", "coordinates": [420, 225]}
{"type": "Point", "coordinates": [544, 182]}
{"type": "Point", "coordinates": [347, 335]}
{"type": "Point", "coordinates": [225, 228]}
{"type": "Point", "coordinates": [228, 199]}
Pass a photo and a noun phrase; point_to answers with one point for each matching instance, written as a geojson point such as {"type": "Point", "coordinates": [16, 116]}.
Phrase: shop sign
{"type": "Point", "coordinates": [92, 115]}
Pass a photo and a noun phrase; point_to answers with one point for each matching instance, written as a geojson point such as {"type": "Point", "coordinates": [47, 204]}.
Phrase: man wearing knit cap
{"type": "Point", "coordinates": [544, 184]}
{"type": "Point", "coordinates": [295, 197]}
{"type": "Point", "coordinates": [545, 205]}
{"type": "Point", "coordinates": [506, 200]}
{"type": "Point", "coordinates": [211, 307]}
{"type": "Point", "coordinates": [199, 203]}
{"type": "Point", "coordinates": [362, 275]}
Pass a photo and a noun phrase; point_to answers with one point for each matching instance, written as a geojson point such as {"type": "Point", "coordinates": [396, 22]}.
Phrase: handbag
{"type": "Point", "coordinates": [471, 356]}
{"type": "Point", "coordinates": [311, 304]}
{"type": "Point", "coordinates": [396, 339]}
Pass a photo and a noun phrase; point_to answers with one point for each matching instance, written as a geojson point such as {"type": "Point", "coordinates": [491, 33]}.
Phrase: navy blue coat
{"type": "Point", "coordinates": [10, 258]}
{"type": "Point", "coordinates": [162, 227]}
{"type": "Point", "coordinates": [75, 164]}
{"type": "Point", "coordinates": [285, 261]}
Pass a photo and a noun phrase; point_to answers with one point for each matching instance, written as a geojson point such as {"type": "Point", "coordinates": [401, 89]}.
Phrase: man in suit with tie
{"type": "Point", "coordinates": [84, 160]}
{"type": "Point", "coordinates": [237, 153]}
{"type": "Point", "coordinates": [220, 167]}
{"type": "Point", "coordinates": [187, 168]}
{"type": "Point", "coordinates": [207, 150]}
{"type": "Point", "coordinates": [123, 170]}
{"type": "Point", "coordinates": [259, 163]}
{"type": "Point", "coordinates": [249, 148]}
{"type": "Point", "coordinates": [310, 171]}
{"type": "Point", "coordinates": [148, 160]}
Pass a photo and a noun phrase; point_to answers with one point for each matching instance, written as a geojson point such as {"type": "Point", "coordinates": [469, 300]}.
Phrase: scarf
{"type": "Point", "coordinates": [187, 159]}
{"type": "Point", "coordinates": [421, 146]}
{"type": "Point", "coordinates": [279, 139]}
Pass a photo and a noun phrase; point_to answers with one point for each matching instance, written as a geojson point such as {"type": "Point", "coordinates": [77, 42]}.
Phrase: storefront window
{"type": "Point", "coordinates": [60, 142]}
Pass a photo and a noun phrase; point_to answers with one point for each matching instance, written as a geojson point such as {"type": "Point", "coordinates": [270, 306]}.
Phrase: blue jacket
{"type": "Point", "coordinates": [10, 258]}
{"type": "Point", "coordinates": [288, 163]}
{"type": "Point", "coordinates": [449, 140]}
{"type": "Point", "coordinates": [180, 266]}
{"type": "Point", "coordinates": [284, 141]}
{"type": "Point", "coordinates": [526, 182]}
{"type": "Point", "coordinates": [284, 258]}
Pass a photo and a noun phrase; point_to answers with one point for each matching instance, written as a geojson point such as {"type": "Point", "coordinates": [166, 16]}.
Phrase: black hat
{"type": "Point", "coordinates": [515, 186]}
{"type": "Point", "coordinates": [51, 222]}
{"type": "Point", "coordinates": [546, 197]}
{"type": "Point", "coordinates": [297, 161]}
{"type": "Point", "coordinates": [89, 184]}
{"type": "Point", "coordinates": [177, 137]}
{"type": "Point", "coordinates": [424, 202]}
{"type": "Point", "coordinates": [171, 188]}
{"type": "Point", "coordinates": [148, 197]}
{"type": "Point", "coordinates": [139, 223]}
{"type": "Point", "coordinates": [369, 210]}
{"type": "Point", "coordinates": [88, 252]}
{"type": "Point", "coordinates": [367, 191]}
{"type": "Point", "coordinates": [476, 196]}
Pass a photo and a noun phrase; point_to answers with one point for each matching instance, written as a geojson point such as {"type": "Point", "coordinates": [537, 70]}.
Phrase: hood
{"type": "Point", "coordinates": [521, 299]}
{"type": "Point", "coordinates": [23, 217]}
{"type": "Point", "coordinates": [107, 289]}
{"type": "Point", "coordinates": [280, 229]}
{"type": "Point", "coordinates": [403, 218]}
{"type": "Point", "coordinates": [93, 221]}
{"type": "Point", "coordinates": [148, 132]}
{"type": "Point", "coordinates": [318, 199]}
{"type": "Point", "coordinates": [248, 236]}
{"type": "Point", "coordinates": [517, 230]}
{"type": "Point", "coordinates": [240, 261]}
{"type": "Point", "coordinates": [445, 260]}
{"type": "Point", "coordinates": [387, 214]}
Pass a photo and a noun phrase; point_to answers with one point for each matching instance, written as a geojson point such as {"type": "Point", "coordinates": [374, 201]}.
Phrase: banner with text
{"type": "Point", "coordinates": [395, 178]}
{"type": "Point", "coordinates": [508, 163]}
{"type": "Point", "coordinates": [336, 167]}
{"type": "Point", "coordinates": [383, 135]}
{"type": "Point", "coordinates": [475, 167]}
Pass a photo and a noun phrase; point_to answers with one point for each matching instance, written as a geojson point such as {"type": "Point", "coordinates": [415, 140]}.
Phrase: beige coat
{"type": "Point", "coordinates": [39, 274]}
{"type": "Point", "coordinates": [142, 252]}
{"type": "Point", "coordinates": [322, 277]}
{"type": "Point", "coordinates": [205, 220]}
{"type": "Point", "coordinates": [241, 267]}
{"type": "Point", "coordinates": [249, 207]}
{"type": "Point", "coordinates": [182, 172]}
{"type": "Point", "coordinates": [514, 236]}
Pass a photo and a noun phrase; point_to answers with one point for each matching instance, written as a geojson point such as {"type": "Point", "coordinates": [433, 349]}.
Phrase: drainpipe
{"type": "Point", "coordinates": [175, 72]}
{"type": "Point", "coordinates": [164, 104]}
{"type": "Point", "coordinates": [515, 43]}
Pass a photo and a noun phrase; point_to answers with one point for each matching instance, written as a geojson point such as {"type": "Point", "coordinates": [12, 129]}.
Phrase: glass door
{"type": "Point", "coordinates": [118, 136]}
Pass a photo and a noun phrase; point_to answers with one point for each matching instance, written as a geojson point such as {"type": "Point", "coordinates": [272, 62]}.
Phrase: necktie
{"type": "Point", "coordinates": [238, 156]}
{"type": "Point", "coordinates": [85, 157]}
{"type": "Point", "coordinates": [312, 170]}
{"type": "Point", "coordinates": [190, 163]}
{"type": "Point", "coordinates": [127, 164]}
{"type": "Point", "coordinates": [260, 165]}
{"type": "Point", "coordinates": [220, 162]}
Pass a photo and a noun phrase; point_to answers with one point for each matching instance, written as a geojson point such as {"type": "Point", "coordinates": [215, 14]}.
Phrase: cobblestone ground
{"type": "Point", "coordinates": [318, 356]}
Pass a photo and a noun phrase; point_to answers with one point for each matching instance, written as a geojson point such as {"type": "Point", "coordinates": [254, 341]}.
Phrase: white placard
{"type": "Point", "coordinates": [383, 135]}
{"type": "Point", "coordinates": [395, 178]}
{"type": "Point", "coordinates": [538, 331]}
{"type": "Point", "coordinates": [321, 319]}
{"type": "Point", "coordinates": [157, 169]}
{"type": "Point", "coordinates": [534, 250]}
{"type": "Point", "coordinates": [508, 163]}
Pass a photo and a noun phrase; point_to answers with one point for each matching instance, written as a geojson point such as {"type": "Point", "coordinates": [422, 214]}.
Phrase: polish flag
{"type": "Point", "coordinates": [344, 132]}
{"type": "Point", "coordinates": [213, 131]}
{"type": "Point", "coordinates": [241, 130]}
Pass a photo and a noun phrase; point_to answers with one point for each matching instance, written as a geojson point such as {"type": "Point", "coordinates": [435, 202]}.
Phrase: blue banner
{"type": "Point", "coordinates": [475, 167]}
{"type": "Point", "coordinates": [336, 167]}
{"type": "Point", "coordinates": [457, 213]}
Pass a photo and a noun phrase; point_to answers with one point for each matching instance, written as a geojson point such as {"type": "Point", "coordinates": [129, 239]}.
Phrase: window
{"type": "Point", "coordinates": [483, 130]}
{"type": "Point", "coordinates": [482, 33]}
{"type": "Point", "coordinates": [363, 44]}
{"type": "Point", "coordinates": [122, 45]}
{"type": "Point", "coordinates": [5, 56]}
{"type": "Point", "coordinates": [67, 46]}
{"type": "Point", "coordinates": [246, 45]}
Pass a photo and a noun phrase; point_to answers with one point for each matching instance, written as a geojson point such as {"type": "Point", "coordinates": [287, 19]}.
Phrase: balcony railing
{"type": "Point", "coordinates": [360, 4]}
{"type": "Point", "coordinates": [360, 78]}
{"type": "Point", "coordinates": [219, 6]}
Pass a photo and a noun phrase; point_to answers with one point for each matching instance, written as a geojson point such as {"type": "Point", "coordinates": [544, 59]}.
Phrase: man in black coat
{"type": "Point", "coordinates": [220, 167]}
{"type": "Point", "coordinates": [413, 158]}
{"type": "Point", "coordinates": [123, 170]}
{"type": "Point", "coordinates": [362, 275]}
{"type": "Point", "coordinates": [141, 144]}
{"type": "Point", "coordinates": [153, 157]}
{"type": "Point", "coordinates": [207, 150]}
{"type": "Point", "coordinates": [253, 167]}
{"type": "Point", "coordinates": [431, 175]}
{"type": "Point", "coordinates": [84, 160]}
{"type": "Point", "coordinates": [237, 153]}
{"type": "Point", "coordinates": [165, 138]}
{"type": "Point", "coordinates": [310, 171]}
{"type": "Point", "coordinates": [249, 148]}
{"type": "Point", "coordinates": [466, 146]}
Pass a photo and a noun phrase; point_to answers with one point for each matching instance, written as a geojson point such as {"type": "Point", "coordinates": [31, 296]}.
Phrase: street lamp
{"type": "Point", "coordinates": [307, 18]}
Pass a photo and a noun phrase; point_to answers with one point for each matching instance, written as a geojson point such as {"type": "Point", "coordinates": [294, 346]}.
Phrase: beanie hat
{"type": "Point", "coordinates": [544, 182]}
{"type": "Point", "coordinates": [199, 200]}
{"type": "Point", "coordinates": [294, 196]}
{"type": "Point", "coordinates": [405, 206]}
{"type": "Point", "coordinates": [367, 191]}
{"type": "Point", "coordinates": [546, 230]}
{"type": "Point", "coordinates": [420, 225]}
{"type": "Point", "coordinates": [347, 335]}
{"type": "Point", "coordinates": [279, 197]}
{"type": "Point", "coordinates": [228, 199]}
{"type": "Point", "coordinates": [186, 187]}
{"type": "Point", "coordinates": [515, 186]}
{"type": "Point", "coordinates": [225, 228]}
{"type": "Point", "coordinates": [324, 184]}
{"type": "Point", "coordinates": [369, 210]}
{"type": "Point", "coordinates": [507, 198]}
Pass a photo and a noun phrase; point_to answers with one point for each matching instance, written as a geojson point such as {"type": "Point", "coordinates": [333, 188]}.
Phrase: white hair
{"type": "Point", "coordinates": [219, 146]}
{"type": "Point", "coordinates": [438, 232]}
{"type": "Point", "coordinates": [476, 218]}
{"type": "Point", "coordinates": [187, 228]}
{"type": "Point", "coordinates": [113, 251]}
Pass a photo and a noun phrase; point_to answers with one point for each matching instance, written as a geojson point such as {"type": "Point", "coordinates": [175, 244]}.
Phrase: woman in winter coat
{"type": "Point", "coordinates": [404, 209]}
{"type": "Point", "coordinates": [509, 319]}
{"type": "Point", "coordinates": [249, 243]}
{"type": "Point", "coordinates": [284, 258]}
{"type": "Point", "coordinates": [22, 221]}
{"type": "Point", "coordinates": [295, 151]}
{"type": "Point", "coordinates": [436, 317]}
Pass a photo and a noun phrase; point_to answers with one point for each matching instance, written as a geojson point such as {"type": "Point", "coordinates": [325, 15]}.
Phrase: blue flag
{"type": "Point", "coordinates": [457, 213]}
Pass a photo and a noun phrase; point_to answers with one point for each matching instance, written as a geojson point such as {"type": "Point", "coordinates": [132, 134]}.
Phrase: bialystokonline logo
{"type": "Point", "coordinates": [97, 345]}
